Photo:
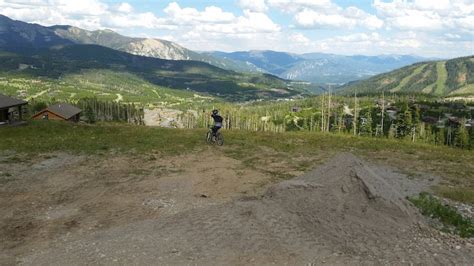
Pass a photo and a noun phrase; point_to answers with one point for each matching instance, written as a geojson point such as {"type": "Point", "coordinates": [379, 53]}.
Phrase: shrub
{"type": "Point", "coordinates": [448, 215]}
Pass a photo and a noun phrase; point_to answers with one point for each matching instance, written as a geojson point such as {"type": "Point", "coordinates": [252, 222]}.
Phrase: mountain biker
{"type": "Point", "coordinates": [217, 121]}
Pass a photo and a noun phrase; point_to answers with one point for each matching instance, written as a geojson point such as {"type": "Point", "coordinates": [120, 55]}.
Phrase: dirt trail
{"type": "Point", "coordinates": [344, 212]}
{"type": "Point", "coordinates": [56, 196]}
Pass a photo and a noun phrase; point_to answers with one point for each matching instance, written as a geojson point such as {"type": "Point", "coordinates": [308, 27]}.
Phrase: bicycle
{"type": "Point", "coordinates": [217, 139]}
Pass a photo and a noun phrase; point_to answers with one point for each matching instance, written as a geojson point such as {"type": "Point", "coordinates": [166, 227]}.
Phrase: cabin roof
{"type": "Point", "coordinates": [64, 110]}
{"type": "Point", "coordinates": [7, 102]}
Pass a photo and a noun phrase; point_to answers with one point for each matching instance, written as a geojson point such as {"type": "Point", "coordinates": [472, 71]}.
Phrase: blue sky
{"type": "Point", "coordinates": [433, 28]}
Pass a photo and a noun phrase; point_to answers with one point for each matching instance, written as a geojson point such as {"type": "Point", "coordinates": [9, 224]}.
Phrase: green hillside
{"type": "Point", "coordinates": [90, 70]}
{"type": "Point", "coordinates": [440, 78]}
{"type": "Point", "coordinates": [105, 85]}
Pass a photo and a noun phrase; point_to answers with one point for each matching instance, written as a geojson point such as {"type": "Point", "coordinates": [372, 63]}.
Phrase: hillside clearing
{"type": "Point", "coordinates": [405, 80]}
{"type": "Point", "coordinates": [468, 89]}
{"type": "Point", "coordinates": [442, 77]}
{"type": "Point", "coordinates": [119, 97]}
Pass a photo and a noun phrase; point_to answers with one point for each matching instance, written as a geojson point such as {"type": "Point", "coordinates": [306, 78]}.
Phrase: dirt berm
{"type": "Point", "coordinates": [341, 213]}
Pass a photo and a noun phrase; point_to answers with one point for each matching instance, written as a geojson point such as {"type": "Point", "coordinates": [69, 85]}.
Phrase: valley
{"type": "Point", "coordinates": [57, 65]}
{"type": "Point", "coordinates": [317, 68]}
{"type": "Point", "coordinates": [320, 68]}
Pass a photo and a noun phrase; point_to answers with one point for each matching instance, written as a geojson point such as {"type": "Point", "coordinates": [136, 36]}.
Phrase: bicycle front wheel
{"type": "Point", "coordinates": [209, 137]}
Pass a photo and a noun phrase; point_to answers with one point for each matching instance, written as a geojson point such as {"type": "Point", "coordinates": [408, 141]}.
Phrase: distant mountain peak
{"type": "Point", "coordinates": [17, 35]}
{"type": "Point", "coordinates": [320, 68]}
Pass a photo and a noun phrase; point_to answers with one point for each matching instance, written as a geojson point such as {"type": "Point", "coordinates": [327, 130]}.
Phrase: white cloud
{"type": "Point", "coordinates": [432, 5]}
{"type": "Point", "coordinates": [257, 22]}
{"type": "Point", "coordinates": [324, 13]}
{"type": "Point", "coordinates": [215, 20]}
{"type": "Point", "coordinates": [299, 39]}
{"type": "Point", "coordinates": [140, 20]}
{"type": "Point", "coordinates": [348, 18]}
{"type": "Point", "coordinates": [254, 5]}
{"type": "Point", "coordinates": [426, 15]}
{"type": "Point", "coordinates": [426, 27]}
{"type": "Point", "coordinates": [211, 22]}
{"type": "Point", "coordinates": [452, 36]}
{"type": "Point", "coordinates": [404, 42]}
{"type": "Point", "coordinates": [87, 14]}
{"type": "Point", "coordinates": [189, 15]}
{"type": "Point", "coordinates": [309, 18]}
{"type": "Point", "coordinates": [125, 8]}
{"type": "Point", "coordinates": [292, 6]}
{"type": "Point", "coordinates": [251, 22]}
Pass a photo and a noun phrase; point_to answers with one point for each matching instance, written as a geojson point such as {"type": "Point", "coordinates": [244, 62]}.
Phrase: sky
{"type": "Point", "coordinates": [430, 28]}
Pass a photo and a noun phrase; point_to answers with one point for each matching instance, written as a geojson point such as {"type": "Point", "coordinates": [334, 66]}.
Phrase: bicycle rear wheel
{"type": "Point", "coordinates": [219, 139]}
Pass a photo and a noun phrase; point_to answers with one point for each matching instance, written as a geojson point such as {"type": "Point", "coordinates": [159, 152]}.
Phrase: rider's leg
{"type": "Point", "coordinates": [217, 130]}
{"type": "Point", "coordinates": [214, 130]}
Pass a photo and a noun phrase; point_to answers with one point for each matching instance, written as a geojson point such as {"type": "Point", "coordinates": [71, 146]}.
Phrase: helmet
{"type": "Point", "coordinates": [215, 112]}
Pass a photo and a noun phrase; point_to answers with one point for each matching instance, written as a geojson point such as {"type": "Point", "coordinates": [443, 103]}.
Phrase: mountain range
{"type": "Point", "coordinates": [18, 36]}
{"type": "Point", "coordinates": [318, 68]}
{"type": "Point", "coordinates": [59, 62]}
{"type": "Point", "coordinates": [57, 51]}
{"type": "Point", "coordinates": [31, 51]}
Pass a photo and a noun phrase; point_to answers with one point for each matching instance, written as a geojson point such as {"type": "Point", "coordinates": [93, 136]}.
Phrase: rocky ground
{"type": "Point", "coordinates": [208, 208]}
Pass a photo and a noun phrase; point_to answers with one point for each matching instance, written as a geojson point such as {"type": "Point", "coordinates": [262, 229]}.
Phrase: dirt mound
{"type": "Point", "coordinates": [343, 212]}
{"type": "Point", "coordinates": [347, 201]}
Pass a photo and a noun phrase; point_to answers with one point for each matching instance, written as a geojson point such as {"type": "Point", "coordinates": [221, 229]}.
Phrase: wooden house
{"type": "Point", "coordinates": [11, 109]}
{"type": "Point", "coordinates": [60, 111]}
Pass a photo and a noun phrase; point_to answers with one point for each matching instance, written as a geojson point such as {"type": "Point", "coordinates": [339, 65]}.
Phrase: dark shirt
{"type": "Point", "coordinates": [217, 118]}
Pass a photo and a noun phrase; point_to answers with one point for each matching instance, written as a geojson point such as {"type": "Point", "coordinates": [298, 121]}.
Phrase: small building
{"type": "Point", "coordinates": [392, 114]}
{"type": "Point", "coordinates": [59, 111]}
{"type": "Point", "coordinates": [295, 109]}
{"type": "Point", "coordinates": [430, 120]}
{"type": "Point", "coordinates": [469, 123]}
{"type": "Point", "coordinates": [454, 121]}
{"type": "Point", "coordinates": [10, 109]}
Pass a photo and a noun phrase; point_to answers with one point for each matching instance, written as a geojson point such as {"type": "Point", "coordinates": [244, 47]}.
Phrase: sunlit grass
{"type": "Point", "coordinates": [252, 148]}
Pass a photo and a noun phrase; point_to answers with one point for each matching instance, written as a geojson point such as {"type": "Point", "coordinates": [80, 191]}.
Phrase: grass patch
{"type": "Point", "coordinates": [50, 136]}
{"type": "Point", "coordinates": [451, 219]}
{"type": "Point", "coordinates": [461, 194]}
{"type": "Point", "coordinates": [296, 151]}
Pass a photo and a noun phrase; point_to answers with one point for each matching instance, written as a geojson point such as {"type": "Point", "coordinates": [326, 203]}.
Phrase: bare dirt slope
{"type": "Point", "coordinates": [344, 212]}
{"type": "Point", "coordinates": [49, 197]}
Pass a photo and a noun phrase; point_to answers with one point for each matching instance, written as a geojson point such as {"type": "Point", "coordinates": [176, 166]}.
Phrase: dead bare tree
{"type": "Point", "coordinates": [355, 113]}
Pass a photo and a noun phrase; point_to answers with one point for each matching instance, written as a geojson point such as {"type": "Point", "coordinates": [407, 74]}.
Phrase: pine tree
{"type": "Point", "coordinates": [461, 137]}
{"type": "Point", "coordinates": [366, 127]}
{"type": "Point", "coordinates": [392, 131]}
{"type": "Point", "coordinates": [38, 106]}
{"type": "Point", "coordinates": [90, 115]}
{"type": "Point", "coordinates": [429, 136]}
{"type": "Point", "coordinates": [354, 121]}
{"type": "Point", "coordinates": [440, 137]}
{"type": "Point", "coordinates": [417, 125]}
{"type": "Point", "coordinates": [471, 141]}
{"type": "Point", "coordinates": [404, 121]}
